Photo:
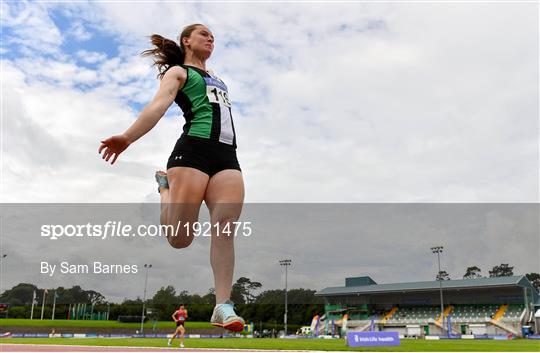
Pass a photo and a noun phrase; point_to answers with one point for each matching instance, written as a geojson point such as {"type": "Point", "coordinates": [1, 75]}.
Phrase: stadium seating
{"type": "Point", "coordinates": [474, 313]}
{"type": "Point", "coordinates": [513, 313]}
{"type": "Point", "coordinates": [503, 316]}
{"type": "Point", "coordinates": [416, 315]}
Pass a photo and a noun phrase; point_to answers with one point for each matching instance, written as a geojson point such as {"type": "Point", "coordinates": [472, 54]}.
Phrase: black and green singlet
{"type": "Point", "coordinates": [205, 102]}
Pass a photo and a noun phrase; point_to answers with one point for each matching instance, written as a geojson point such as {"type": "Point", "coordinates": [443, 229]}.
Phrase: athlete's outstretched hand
{"type": "Point", "coordinates": [113, 146]}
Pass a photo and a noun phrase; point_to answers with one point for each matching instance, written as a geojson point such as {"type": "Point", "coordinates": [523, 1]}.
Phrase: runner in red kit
{"type": "Point", "coordinates": [179, 316]}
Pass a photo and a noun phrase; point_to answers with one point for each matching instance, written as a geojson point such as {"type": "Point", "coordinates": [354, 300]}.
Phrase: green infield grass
{"type": "Point", "coordinates": [295, 344]}
{"type": "Point", "coordinates": [97, 323]}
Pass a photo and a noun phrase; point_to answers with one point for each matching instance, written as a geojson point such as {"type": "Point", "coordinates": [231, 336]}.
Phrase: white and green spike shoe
{"type": "Point", "coordinates": [224, 316]}
{"type": "Point", "coordinates": [161, 178]}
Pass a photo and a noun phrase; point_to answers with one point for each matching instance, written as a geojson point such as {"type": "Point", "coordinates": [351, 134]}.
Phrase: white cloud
{"type": "Point", "coordinates": [56, 137]}
{"type": "Point", "coordinates": [32, 28]}
{"type": "Point", "coordinates": [413, 108]}
{"type": "Point", "coordinates": [376, 102]}
{"type": "Point", "coordinates": [91, 57]}
{"type": "Point", "coordinates": [349, 102]}
{"type": "Point", "coordinates": [57, 73]}
{"type": "Point", "coordinates": [79, 32]}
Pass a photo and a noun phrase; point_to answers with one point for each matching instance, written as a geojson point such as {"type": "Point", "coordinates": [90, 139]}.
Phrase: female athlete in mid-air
{"type": "Point", "coordinates": [203, 164]}
{"type": "Point", "coordinates": [179, 317]}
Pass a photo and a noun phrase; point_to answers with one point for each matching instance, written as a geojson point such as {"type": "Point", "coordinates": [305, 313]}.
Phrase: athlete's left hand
{"type": "Point", "coordinates": [113, 146]}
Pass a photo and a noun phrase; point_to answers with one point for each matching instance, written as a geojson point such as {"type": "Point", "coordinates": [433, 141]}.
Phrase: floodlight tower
{"type": "Point", "coordinates": [285, 263]}
{"type": "Point", "coordinates": [438, 250]}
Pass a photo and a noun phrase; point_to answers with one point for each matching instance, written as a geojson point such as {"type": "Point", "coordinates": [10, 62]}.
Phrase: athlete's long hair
{"type": "Point", "coordinates": [166, 52]}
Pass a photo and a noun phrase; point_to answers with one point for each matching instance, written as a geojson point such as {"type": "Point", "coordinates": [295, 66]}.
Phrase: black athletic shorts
{"type": "Point", "coordinates": [207, 156]}
{"type": "Point", "coordinates": [179, 323]}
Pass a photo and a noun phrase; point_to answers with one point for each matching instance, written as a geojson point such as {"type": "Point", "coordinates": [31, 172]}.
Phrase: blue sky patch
{"type": "Point", "coordinates": [97, 40]}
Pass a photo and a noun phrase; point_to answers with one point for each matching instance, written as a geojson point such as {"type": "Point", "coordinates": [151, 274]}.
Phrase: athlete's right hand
{"type": "Point", "coordinates": [113, 146]}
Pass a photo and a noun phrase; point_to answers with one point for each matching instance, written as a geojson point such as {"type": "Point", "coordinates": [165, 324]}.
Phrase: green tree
{"type": "Point", "coordinates": [303, 296]}
{"type": "Point", "coordinates": [194, 299]}
{"type": "Point", "coordinates": [534, 278]}
{"type": "Point", "coordinates": [21, 294]}
{"type": "Point", "coordinates": [94, 297]}
{"type": "Point", "coordinates": [238, 293]}
{"type": "Point", "coordinates": [165, 295]}
{"type": "Point", "coordinates": [472, 272]}
{"type": "Point", "coordinates": [270, 305]}
{"type": "Point", "coordinates": [442, 276]}
{"type": "Point", "coordinates": [75, 294]}
{"type": "Point", "coordinates": [164, 303]}
{"type": "Point", "coordinates": [503, 270]}
{"type": "Point", "coordinates": [137, 301]}
{"type": "Point", "coordinates": [242, 290]}
{"type": "Point", "coordinates": [247, 287]}
{"type": "Point", "coordinates": [210, 297]}
{"type": "Point", "coordinates": [272, 296]}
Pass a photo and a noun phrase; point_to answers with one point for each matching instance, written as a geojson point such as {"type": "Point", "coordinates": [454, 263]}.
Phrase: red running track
{"type": "Point", "coordinates": [69, 348]}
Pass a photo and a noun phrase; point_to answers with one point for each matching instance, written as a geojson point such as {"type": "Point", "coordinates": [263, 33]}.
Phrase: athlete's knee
{"type": "Point", "coordinates": [179, 242]}
{"type": "Point", "coordinates": [179, 237]}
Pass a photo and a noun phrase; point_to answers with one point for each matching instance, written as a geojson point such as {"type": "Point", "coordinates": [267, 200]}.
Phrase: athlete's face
{"type": "Point", "coordinates": [201, 42]}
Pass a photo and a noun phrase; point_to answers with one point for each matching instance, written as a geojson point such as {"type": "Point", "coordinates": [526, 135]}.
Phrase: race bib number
{"type": "Point", "coordinates": [181, 318]}
{"type": "Point", "coordinates": [217, 91]}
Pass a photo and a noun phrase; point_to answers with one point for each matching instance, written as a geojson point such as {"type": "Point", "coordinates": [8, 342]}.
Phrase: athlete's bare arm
{"type": "Point", "coordinates": [173, 79]}
{"type": "Point", "coordinates": [174, 315]}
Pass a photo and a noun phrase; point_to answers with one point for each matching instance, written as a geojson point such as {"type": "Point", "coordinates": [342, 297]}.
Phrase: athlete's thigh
{"type": "Point", "coordinates": [225, 195]}
{"type": "Point", "coordinates": [187, 188]}
{"type": "Point", "coordinates": [186, 185]}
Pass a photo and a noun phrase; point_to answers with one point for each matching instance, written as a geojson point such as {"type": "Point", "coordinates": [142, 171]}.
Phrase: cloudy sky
{"type": "Point", "coordinates": [385, 102]}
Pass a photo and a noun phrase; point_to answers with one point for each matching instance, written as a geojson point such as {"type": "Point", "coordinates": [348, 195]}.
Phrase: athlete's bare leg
{"type": "Point", "coordinates": [181, 203]}
{"type": "Point", "coordinates": [182, 331]}
{"type": "Point", "coordinates": [224, 198]}
{"type": "Point", "coordinates": [174, 335]}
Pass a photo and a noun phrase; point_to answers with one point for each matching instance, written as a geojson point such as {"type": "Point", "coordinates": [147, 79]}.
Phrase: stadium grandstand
{"type": "Point", "coordinates": [480, 306]}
